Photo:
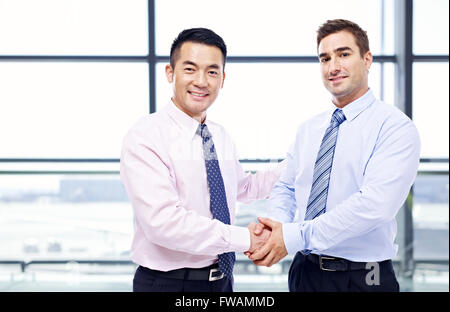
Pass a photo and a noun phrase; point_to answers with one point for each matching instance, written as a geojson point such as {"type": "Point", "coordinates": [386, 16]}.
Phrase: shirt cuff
{"type": "Point", "coordinates": [239, 238]}
{"type": "Point", "coordinates": [292, 238]}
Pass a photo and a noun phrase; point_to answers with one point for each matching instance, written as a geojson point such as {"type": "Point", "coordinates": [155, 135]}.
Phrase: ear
{"type": "Point", "coordinates": [223, 80]}
{"type": "Point", "coordinates": [368, 58]}
{"type": "Point", "coordinates": [169, 73]}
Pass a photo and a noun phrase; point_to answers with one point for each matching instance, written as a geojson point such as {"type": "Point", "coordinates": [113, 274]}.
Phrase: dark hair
{"type": "Point", "coordinates": [336, 25]}
{"type": "Point", "coordinates": [198, 35]}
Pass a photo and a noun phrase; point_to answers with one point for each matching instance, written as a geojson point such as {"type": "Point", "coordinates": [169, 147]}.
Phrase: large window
{"type": "Point", "coordinates": [76, 74]}
{"type": "Point", "coordinates": [430, 101]}
{"type": "Point", "coordinates": [69, 109]}
{"type": "Point", "coordinates": [266, 27]}
{"type": "Point", "coordinates": [73, 27]}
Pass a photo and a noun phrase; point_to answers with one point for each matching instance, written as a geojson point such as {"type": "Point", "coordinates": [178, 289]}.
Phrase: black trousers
{"type": "Point", "coordinates": [145, 280]}
{"type": "Point", "coordinates": [306, 276]}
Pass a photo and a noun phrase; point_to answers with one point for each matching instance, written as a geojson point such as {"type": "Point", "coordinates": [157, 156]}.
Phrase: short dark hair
{"type": "Point", "coordinates": [336, 25]}
{"type": "Point", "coordinates": [198, 35]}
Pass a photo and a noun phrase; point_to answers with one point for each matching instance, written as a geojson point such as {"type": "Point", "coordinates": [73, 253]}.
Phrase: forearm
{"type": "Point", "coordinates": [282, 201]}
{"type": "Point", "coordinates": [354, 217]}
{"type": "Point", "coordinates": [256, 186]}
{"type": "Point", "coordinates": [282, 205]}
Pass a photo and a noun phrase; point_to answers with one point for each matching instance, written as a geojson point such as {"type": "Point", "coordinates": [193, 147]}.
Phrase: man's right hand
{"type": "Point", "coordinates": [258, 236]}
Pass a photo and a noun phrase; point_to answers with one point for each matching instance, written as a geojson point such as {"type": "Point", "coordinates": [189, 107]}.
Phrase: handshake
{"type": "Point", "coordinates": [266, 242]}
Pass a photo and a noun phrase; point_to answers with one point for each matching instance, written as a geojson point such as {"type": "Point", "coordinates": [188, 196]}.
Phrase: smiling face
{"type": "Point", "coordinates": [344, 71]}
{"type": "Point", "coordinates": [197, 78]}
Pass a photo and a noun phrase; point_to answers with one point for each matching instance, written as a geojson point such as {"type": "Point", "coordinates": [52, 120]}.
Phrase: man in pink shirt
{"type": "Point", "coordinates": [183, 177]}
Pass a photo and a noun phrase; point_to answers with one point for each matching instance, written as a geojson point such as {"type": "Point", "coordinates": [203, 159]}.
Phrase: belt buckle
{"type": "Point", "coordinates": [215, 278]}
{"type": "Point", "coordinates": [321, 263]}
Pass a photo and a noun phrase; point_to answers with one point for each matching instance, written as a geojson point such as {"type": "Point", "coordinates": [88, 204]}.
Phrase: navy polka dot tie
{"type": "Point", "coordinates": [218, 198]}
{"type": "Point", "coordinates": [322, 169]}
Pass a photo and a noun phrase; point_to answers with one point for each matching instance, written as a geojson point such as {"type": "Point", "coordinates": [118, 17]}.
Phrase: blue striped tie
{"type": "Point", "coordinates": [322, 169]}
{"type": "Point", "coordinates": [218, 197]}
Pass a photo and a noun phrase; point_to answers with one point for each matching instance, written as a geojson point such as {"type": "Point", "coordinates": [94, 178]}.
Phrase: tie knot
{"type": "Point", "coordinates": [203, 131]}
{"type": "Point", "coordinates": [338, 116]}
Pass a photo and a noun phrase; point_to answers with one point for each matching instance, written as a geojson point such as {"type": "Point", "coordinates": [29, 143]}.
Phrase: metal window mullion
{"type": "Point", "coordinates": [72, 58]}
{"type": "Point", "coordinates": [383, 39]}
{"type": "Point", "coordinates": [403, 100]}
{"type": "Point", "coordinates": [151, 58]}
{"type": "Point", "coordinates": [112, 160]}
{"type": "Point", "coordinates": [282, 59]}
{"type": "Point", "coordinates": [430, 58]}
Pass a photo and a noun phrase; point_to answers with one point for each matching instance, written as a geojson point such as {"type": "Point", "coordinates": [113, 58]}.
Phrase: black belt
{"type": "Point", "coordinates": [328, 263]}
{"type": "Point", "coordinates": [210, 273]}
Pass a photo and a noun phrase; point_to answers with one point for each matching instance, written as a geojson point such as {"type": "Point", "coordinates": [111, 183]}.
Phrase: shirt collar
{"type": "Point", "coordinates": [353, 109]}
{"type": "Point", "coordinates": [183, 120]}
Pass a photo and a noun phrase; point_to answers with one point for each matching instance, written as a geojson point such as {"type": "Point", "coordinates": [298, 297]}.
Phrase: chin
{"type": "Point", "coordinates": [199, 108]}
{"type": "Point", "coordinates": [339, 92]}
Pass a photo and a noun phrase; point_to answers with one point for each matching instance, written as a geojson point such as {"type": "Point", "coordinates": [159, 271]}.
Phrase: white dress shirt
{"type": "Point", "coordinates": [375, 163]}
{"type": "Point", "coordinates": [163, 170]}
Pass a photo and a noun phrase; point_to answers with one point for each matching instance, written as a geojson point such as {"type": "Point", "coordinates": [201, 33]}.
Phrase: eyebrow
{"type": "Point", "coordinates": [189, 63]}
{"type": "Point", "coordinates": [215, 66]}
{"type": "Point", "coordinates": [336, 50]}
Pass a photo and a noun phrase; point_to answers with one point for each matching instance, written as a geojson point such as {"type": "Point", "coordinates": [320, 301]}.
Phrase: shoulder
{"type": "Point", "coordinates": [388, 111]}
{"type": "Point", "coordinates": [393, 124]}
{"type": "Point", "coordinates": [390, 116]}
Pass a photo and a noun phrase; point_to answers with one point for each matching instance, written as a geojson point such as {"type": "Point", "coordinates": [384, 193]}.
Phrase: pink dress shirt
{"type": "Point", "coordinates": [163, 170]}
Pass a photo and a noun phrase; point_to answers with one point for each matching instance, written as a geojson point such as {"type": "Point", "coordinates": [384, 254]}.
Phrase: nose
{"type": "Point", "coordinates": [201, 80]}
{"type": "Point", "coordinates": [335, 65]}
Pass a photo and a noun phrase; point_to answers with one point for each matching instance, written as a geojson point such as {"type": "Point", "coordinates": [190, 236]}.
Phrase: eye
{"type": "Point", "coordinates": [213, 73]}
{"type": "Point", "coordinates": [189, 69]}
{"type": "Point", "coordinates": [345, 54]}
{"type": "Point", "coordinates": [324, 59]}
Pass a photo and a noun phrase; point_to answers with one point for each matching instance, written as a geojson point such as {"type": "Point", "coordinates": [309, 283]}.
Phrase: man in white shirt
{"type": "Point", "coordinates": [183, 177]}
{"type": "Point", "coordinates": [348, 174]}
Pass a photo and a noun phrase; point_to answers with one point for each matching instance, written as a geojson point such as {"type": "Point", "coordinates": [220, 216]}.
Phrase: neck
{"type": "Point", "coordinates": [342, 101]}
{"type": "Point", "coordinates": [200, 117]}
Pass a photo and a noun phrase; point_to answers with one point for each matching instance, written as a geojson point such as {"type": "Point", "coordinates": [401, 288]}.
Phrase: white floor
{"type": "Point", "coordinates": [70, 280]}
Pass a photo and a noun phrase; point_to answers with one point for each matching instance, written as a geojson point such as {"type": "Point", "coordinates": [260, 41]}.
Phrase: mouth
{"type": "Point", "coordinates": [198, 95]}
{"type": "Point", "coordinates": [337, 79]}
